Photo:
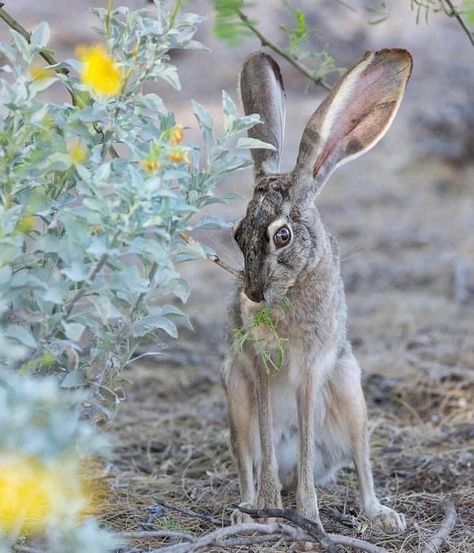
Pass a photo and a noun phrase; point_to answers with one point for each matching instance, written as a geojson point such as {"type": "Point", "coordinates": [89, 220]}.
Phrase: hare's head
{"type": "Point", "coordinates": [281, 236]}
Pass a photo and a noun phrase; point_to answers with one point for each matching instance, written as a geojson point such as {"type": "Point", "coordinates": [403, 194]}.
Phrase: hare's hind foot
{"type": "Point", "coordinates": [387, 519]}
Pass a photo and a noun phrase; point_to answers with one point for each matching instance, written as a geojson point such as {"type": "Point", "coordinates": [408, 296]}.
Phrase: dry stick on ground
{"type": "Point", "coordinates": [294, 62]}
{"type": "Point", "coordinates": [307, 525]}
{"type": "Point", "coordinates": [435, 541]}
{"type": "Point", "coordinates": [328, 541]}
{"type": "Point", "coordinates": [189, 513]}
{"type": "Point", "coordinates": [147, 534]}
{"type": "Point", "coordinates": [231, 536]}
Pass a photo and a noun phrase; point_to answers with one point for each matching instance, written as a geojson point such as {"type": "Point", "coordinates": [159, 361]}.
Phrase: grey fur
{"type": "Point", "coordinates": [317, 391]}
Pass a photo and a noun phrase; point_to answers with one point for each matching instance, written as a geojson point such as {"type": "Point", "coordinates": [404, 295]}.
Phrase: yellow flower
{"type": "Point", "coordinates": [99, 71]}
{"type": "Point", "coordinates": [78, 151]}
{"type": "Point", "coordinates": [33, 495]}
{"type": "Point", "coordinates": [96, 230]}
{"type": "Point", "coordinates": [39, 72]}
{"type": "Point", "coordinates": [176, 135]}
{"type": "Point", "coordinates": [150, 165]}
{"type": "Point", "coordinates": [178, 156]}
{"type": "Point", "coordinates": [25, 224]}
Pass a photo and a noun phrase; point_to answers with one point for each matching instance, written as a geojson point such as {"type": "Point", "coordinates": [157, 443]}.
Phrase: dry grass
{"type": "Point", "coordinates": [172, 447]}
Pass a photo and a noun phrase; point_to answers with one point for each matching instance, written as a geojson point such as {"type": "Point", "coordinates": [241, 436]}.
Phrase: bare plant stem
{"type": "Point", "coordinates": [214, 258]}
{"type": "Point", "coordinates": [454, 12]}
{"type": "Point", "coordinates": [294, 62]}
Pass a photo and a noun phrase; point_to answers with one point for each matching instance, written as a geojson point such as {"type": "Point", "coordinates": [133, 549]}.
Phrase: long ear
{"type": "Point", "coordinates": [353, 118]}
{"type": "Point", "coordinates": [262, 91]}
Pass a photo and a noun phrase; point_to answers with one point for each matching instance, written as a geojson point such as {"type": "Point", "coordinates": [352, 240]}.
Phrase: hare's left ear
{"type": "Point", "coordinates": [261, 88]}
{"type": "Point", "coordinates": [352, 119]}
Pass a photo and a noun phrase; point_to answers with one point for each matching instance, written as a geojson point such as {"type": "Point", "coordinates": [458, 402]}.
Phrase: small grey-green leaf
{"type": "Point", "coordinates": [40, 35]}
{"type": "Point", "coordinates": [247, 142]}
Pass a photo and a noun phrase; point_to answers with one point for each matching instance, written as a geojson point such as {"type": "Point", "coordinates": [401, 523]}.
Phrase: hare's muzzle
{"type": "Point", "coordinates": [254, 295]}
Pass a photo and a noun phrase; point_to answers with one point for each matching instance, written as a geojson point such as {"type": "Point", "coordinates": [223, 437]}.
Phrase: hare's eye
{"type": "Point", "coordinates": [282, 236]}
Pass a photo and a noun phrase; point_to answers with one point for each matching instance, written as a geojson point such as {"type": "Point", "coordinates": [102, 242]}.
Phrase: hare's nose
{"type": "Point", "coordinates": [254, 295]}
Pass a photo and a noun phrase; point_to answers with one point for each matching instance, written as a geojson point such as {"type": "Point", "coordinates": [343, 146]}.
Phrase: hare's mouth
{"type": "Point", "coordinates": [257, 296]}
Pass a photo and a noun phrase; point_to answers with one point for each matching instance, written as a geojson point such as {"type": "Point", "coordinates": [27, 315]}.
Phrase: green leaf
{"type": "Point", "coordinates": [76, 272]}
{"type": "Point", "coordinates": [247, 142]}
{"type": "Point", "coordinates": [205, 122]}
{"type": "Point", "coordinates": [74, 331]}
{"type": "Point", "coordinates": [40, 35]}
{"type": "Point", "coordinates": [22, 46]}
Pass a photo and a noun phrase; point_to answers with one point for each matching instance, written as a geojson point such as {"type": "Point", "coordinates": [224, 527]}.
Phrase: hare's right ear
{"type": "Point", "coordinates": [352, 119]}
{"type": "Point", "coordinates": [262, 92]}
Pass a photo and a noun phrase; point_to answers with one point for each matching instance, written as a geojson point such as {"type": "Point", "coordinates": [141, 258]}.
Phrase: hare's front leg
{"type": "Point", "coordinates": [269, 487]}
{"type": "Point", "coordinates": [306, 500]}
{"type": "Point", "coordinates": [351, 406]}
{"type": "Point", "coordinates": [240, 410]}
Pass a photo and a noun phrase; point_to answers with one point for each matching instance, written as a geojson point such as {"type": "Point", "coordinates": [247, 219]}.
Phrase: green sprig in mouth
{"type": "Point", "coordinates": [264, 319]}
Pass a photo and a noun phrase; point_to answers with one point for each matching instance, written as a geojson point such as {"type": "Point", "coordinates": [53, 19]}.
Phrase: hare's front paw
{"type": "Point", "coordinates": [269, 497]}
{"type": "Point", "coordinates": [389, 520]}
{"type": "Point", "coordinates": [238, 517]}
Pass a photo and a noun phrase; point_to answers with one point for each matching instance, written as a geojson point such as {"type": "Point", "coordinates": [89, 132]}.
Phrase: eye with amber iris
{"type": "Point", "coordinates": [282, 237]}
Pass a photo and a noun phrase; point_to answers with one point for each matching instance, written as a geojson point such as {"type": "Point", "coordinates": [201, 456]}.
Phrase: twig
{"type": "Point", "coordinates": [214, 258]}
{"type": "Point", "coordinates": [219, 536]}
{"type": "Point", "coordinates": [231, 536]}
{"type": "Point", "coordinates": [435, 541]}
{"type": "Point", "coordinates": [267, 42]}
{"type": "Point", "coordinates": [307, 525]}
{"type": "Point", "coordinates": [457, 15]}
{"type": "Point", "coordinates": [45, 54]}
{"type": "Point", "coordinates": [189, 513]}
{"type": "Point", "coordinates": [157, 534]}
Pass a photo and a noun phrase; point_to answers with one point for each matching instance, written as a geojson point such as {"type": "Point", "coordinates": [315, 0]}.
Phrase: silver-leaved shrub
{"type": "Point", "coordinates": [98, 196]}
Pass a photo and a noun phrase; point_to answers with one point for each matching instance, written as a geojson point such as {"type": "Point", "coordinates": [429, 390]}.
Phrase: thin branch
{"type": "Point", "coordinates": [454, 12]}
{"type": "Point", "coordinates": [434, 543]}
{"type": "Point", "coordinates": [45, 54]}
{"type": "Point", "coordinates": [189, 513]}
{"type": "Point", "coordinates": [147, 534]}
{"type": "Point", "coordinates": [214, 258]}
{"type": "Point", "coordinates": [310, 527]}
{"type": "Point", "coordinates": [267, 42]}
{"type": "Point", "coordinates": [231, 536]}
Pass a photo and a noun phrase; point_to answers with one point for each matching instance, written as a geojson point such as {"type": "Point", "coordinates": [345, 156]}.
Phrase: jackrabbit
{"type": "Point", "coordinates": [302, 423]}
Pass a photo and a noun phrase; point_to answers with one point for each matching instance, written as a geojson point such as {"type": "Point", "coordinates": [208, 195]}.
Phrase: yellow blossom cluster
{"type": "Point", "coordinates": [177, 154]}
{"type": "Point", "coordinates": [100, 71]}
{"type": "Point", "coordinates": [33, 495]}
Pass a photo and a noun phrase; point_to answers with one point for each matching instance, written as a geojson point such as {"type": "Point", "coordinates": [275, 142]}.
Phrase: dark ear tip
{"type": "Point", "coordinates": [400, 53]}
{"type": "Point", "coordinates": [260, 58]}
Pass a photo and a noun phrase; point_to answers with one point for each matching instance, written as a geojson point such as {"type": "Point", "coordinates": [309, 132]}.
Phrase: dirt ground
{"type": "Point", "coordinates": [404, 218]}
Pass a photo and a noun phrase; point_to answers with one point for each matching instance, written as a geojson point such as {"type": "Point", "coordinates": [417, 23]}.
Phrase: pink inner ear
{"type": "Point", "coordinates": [363, 116]}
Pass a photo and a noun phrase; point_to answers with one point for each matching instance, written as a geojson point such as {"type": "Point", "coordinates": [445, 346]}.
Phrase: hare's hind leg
{"type": "Point", "coordinates": [352, 414]}
{"type": "Point", "coordinates": [240, 413]}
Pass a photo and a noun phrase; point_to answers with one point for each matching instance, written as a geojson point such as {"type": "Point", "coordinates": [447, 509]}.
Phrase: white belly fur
{"type": "Point", "coordinates": [332, 450]}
